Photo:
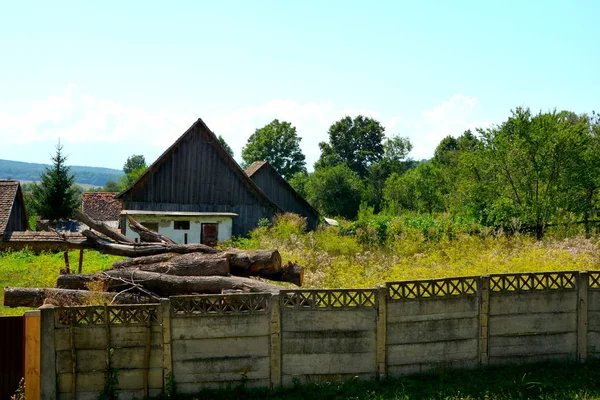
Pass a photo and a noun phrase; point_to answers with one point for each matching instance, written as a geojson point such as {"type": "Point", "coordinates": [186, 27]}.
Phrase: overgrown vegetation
{"type": "Point", "coordinates": [541, 381]}
{"type": "Point", "coordinates": [379, 248]}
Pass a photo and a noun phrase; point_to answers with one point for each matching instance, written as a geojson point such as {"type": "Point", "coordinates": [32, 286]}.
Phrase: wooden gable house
{"type": "Point", "coordinates": [197, 177]}
{"type": "Point", "coordinates": [281, 192]}
{"type": "Point", "coordinates": [13, 217]}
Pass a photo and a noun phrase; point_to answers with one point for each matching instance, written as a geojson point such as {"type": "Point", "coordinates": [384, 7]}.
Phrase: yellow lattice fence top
{"type": "Point", "coordinates": [101, 315]}
{"type": "Point", "coordinates": [332, 299]}
{"type": "Point", "coordinates": [429, 288]}
{"type": "Point", "coordinates": [594, 280]}
{"type": "Point", "coordinates": [206, 305]}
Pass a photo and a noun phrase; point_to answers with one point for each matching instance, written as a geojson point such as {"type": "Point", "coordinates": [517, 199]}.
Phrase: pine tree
{"type": "Point", "coordinates": [55, 197]}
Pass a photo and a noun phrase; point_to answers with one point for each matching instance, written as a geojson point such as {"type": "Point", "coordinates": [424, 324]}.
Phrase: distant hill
{"type": "Point", "coordinates": [23, 171]}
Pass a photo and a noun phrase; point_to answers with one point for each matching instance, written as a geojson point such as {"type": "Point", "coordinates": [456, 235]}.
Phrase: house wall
{"type": "Point", "coordinates": [197, 176]}
{"type": "Point", "coordinates": [284, 196]}
{"type": "Point", "coordinates": [166, 226]}
{"type": "Point", "coordinates": [320, 335]}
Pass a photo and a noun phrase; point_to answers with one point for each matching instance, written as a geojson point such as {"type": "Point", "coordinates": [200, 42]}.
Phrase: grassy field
{"type": "Point", "coordinates": [540, 381]}
{"type": "Point", "coordinates": [351, 256]}
{"type": "Point", "coordinates": [334, 259]}
{"type": "Point", "coordinates": [26, 269]}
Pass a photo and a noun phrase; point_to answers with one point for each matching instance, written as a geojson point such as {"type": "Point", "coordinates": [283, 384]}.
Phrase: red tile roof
{"type": "Point", "coordinates": [101, 206]}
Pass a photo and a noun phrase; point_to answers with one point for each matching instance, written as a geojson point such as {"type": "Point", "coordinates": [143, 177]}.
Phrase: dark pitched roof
{"type": "Point", "coordinates": [8, 194]}
{"type": "Point", "coordinates": [223, 153]}
{"type": "Point", "coordinates": [101, 206]}
{"type": "Point", "coordinates": [256, 165]}
{"type": "Point", "coordinates": [264, 165]}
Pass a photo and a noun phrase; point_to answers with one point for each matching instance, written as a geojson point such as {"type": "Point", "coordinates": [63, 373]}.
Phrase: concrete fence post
{"type": "Point", "coordinates": [165, 313]}
{"type": "Point", "coordinates": [582, 315]}
{"type": "Point", "coordinates": [483, 296]}
{"type": "Point", "coordinates": [47, 354]}
{"type": "Point", "coordinates": [275, 348]}
{"type": "Point", "coordinates": [382, 295]}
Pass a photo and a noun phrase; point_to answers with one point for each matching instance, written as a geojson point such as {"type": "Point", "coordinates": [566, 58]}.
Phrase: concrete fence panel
{"type": "Point", "coordinates": [593, 315]}
{"type": "Point", "coordinates": [432, 324]}
{"type": "Point", "coordinates": [328, 334]}
{"type": "Point", "coordinates": [90, 342]}
{"type": "Point", "coordinates": [533, 317]}
{"type": "Point", "coordinates": [220, 341]}
{"type": "Point", "coordinates": [267, 340]}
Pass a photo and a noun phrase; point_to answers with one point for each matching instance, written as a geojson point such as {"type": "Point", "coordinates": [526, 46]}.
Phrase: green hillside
{"type": "Point", "coordinates": [24, 171]}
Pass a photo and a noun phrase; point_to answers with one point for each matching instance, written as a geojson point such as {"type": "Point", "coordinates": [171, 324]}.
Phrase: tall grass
{"type": "Point", "coordinates": [360, 254]}
{"type": "Point", "coordinates": [368, 252]}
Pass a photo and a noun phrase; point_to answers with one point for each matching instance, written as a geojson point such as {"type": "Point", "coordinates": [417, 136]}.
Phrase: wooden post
{"type": "Point", "coordinates": [32, 354]}
{"type": "Point", "coordinates": [582, 315]}
{"type": "Point", "coordinates": [483, 295]}
{"type": "Point", "coordinates": [382, 295]}
{"type": "Point", "coordinates": [80, 261]}
{"type": "Point", "coordinates": [165, 311]}
{"type": "Point", "coordinates": [67, 267]}
{"type": "Point", "coordinates": [47, 354]}
{"type": "Point", "coordinates": [275, 350]}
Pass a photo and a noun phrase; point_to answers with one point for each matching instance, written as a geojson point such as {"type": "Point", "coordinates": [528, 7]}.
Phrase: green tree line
{"type": "Point", "coordinates": [532, 170]}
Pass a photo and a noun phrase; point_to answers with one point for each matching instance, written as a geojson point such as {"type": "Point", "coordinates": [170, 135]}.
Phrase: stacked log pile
{"type": "Point", "coordinates": [157, 267]}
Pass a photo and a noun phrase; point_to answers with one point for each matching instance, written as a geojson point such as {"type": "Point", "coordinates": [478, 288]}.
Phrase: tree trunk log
{"type": "Point", "coordinates": [255, 262]}
{"type": "Point", "coordinates": [289, 273]}
{"type": "Point", "coordinates": [34, 297]}
{"type": "Point", "coordinates": [142, 249]}
{"type": "Point", "coordinates": [193, 264]}
{"type": "Point", "coordinates": [147, 235]}
{"type": "Point", "coordinates": [101, 227]}
{"type": "Point", "coordinates": [139, 261]}
{"type": "Point", "coordinates": [167, 285]}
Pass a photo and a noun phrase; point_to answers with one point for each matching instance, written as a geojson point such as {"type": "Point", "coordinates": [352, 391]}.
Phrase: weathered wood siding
{"type": "Point", "coordinates": [18, 219]}
{"type": "Point", "coordinates": [197, 175]}
{"type": "Point", "coordinates": [284, 196]}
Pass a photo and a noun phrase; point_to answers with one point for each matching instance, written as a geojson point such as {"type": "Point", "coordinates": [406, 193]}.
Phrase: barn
{"type": "Point", "coordinates": [12, 207]}
{"type": "Point", "coordinates": [195, 181]}
{"type": "Point", "coordinates": [281, 192]}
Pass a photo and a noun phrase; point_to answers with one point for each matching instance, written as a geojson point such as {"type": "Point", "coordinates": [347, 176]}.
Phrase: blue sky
{"type": "Point", "coordinates": [115, 78]}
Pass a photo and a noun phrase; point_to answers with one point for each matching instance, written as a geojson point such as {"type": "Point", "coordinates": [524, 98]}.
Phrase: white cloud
{"type": "Point", "coordinates": [77, 117]}
{"type": "Point", "coordinates": [451, 117]}
{"type": "Point", "coordinates": [80, 118]}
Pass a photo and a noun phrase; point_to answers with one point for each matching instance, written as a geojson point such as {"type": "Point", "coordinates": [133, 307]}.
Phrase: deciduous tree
{"type": "Point", "coordinates": [279, 144]}
{"type": "Point", "coordinates": [335, 191]}
{"type": "Point", "coordinates": [357, 142]}
{"type": "Point", "coordinates": [133, 163]}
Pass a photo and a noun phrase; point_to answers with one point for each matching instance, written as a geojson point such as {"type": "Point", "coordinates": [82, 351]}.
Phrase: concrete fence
{"type": "Point", "coordinates": [316, 335]}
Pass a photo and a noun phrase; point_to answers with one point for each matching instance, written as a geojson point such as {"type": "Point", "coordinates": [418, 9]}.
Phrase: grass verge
{"type": "Point", "coordinates": [535, 381]}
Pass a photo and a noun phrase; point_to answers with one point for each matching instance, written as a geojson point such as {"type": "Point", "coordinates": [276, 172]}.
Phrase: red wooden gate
{"type": "Point", "coordinates": [12, 355]}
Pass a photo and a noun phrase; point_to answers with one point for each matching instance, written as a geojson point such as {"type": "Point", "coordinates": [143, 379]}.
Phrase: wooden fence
{"type": "Point", "coordinates": [316, 335]}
